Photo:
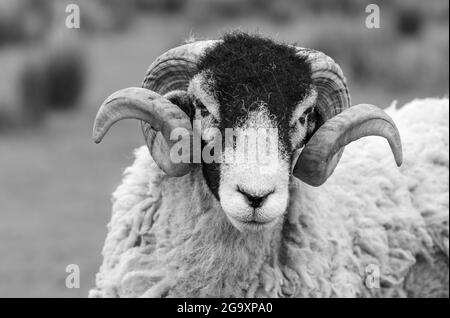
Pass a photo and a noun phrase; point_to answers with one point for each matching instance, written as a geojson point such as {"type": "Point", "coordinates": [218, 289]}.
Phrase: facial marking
{"type": "Point", "coordinates": [200, 87]}
{"type": "Point", "coordinates": [241, 181]}
{"type": "Point", "coordinates": [252, 192]}
{"type": "Point", "coordinates": [246, 83]}
{"type": "Point", "coordinates": [300, 120]}
{"type": "Point", "coordinates": [307, 103]}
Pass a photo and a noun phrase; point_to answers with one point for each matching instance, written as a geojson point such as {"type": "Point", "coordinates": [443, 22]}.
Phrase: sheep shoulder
{"type": "Point", "coordinates": [136, 204]}
{"type": "Point", "coordinates": [159, 239]}
{"type": "Point", "coordinates": [391, 220]}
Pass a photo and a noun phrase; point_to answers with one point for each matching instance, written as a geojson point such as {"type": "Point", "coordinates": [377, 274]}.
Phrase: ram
{"type": "Point", "coordinates": [298, 226]}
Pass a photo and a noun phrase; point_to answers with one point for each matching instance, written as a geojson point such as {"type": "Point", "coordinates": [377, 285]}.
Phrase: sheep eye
{"type": "Point", "coordinates": [201, 107]}
{"type": "Point", "coordinates": [302, 120]}
{"type": "Point", "coordinates": [199, 104]}
{"type": "Point", "coordinates": [305, 115]}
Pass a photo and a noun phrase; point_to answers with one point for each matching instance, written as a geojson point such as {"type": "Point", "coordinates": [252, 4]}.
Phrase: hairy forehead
{"type": "Point", "coordinates": [245, 72]}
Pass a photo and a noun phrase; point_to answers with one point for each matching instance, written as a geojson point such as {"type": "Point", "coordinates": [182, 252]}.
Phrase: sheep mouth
{"type": "Point", "coordinates": [252, 225]}
{"type": "Point", "coordinates": [255, 222]}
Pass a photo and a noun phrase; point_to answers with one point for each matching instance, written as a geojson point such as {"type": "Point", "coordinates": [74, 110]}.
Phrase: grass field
{"type": "Point", "coordinates": [55, 184]}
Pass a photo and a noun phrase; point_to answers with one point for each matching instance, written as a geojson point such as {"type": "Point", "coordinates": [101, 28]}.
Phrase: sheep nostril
{"type": "Point", "coordinates": [255, 201]}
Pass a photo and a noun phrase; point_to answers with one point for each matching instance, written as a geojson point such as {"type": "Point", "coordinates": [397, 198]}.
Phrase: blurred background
{"type": "Point", "coordinates": [55, 184]}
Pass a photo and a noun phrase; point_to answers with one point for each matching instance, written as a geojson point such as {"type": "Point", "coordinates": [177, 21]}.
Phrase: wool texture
{"type": "Point", "coordinates": [370, 223]}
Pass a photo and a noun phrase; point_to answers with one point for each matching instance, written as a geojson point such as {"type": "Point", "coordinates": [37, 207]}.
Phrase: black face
{"type": "Point", "coordinates": [246, 71]}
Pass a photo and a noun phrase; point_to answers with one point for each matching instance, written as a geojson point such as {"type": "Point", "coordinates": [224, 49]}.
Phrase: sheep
{"type": "Point", "coordinates": [307, 228]}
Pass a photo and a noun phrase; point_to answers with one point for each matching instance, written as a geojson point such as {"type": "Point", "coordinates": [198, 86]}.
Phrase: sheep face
{"type": "Point", "coordinates": [259, 107]}
{"type": "Point", "coordinates": [268, 112]}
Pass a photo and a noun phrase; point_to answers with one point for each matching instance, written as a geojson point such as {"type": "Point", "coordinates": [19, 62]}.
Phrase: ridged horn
{"type": "Point", "coordinates": [329, 81]}
{"type": "Point", "coordinates": [170, 71]}
{"type": "Point", "coordinates": [339, 124]}
{"type": "Point", "coordinates": [158, 112]}
{"type": "Point", "coordinates": [320, 156]}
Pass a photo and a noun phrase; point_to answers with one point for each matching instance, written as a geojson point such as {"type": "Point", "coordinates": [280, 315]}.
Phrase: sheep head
{"type": "Point", "coordinates": [296, 98]}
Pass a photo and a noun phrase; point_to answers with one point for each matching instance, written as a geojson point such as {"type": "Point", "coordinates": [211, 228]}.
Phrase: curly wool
{"type": "Point", "coordinates": [168, 236]}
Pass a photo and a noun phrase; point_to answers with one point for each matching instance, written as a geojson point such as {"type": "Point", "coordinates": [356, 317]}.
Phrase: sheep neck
{"type": "Point", "coordinates": [224, 261]}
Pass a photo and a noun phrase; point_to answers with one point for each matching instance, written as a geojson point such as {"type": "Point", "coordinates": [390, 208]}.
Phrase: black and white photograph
{"type": "Point", "coordinates": [224, 150]}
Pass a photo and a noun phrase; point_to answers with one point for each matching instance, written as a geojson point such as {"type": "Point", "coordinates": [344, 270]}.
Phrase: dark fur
{"type": "Point", "coordinates": [247, 70]}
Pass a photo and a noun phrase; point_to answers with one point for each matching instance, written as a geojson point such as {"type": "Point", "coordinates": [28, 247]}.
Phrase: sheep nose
{"type": "Point", "coordinates": [255, 201]}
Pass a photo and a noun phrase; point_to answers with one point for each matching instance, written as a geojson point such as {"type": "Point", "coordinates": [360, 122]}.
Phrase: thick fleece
{"type": "Point", "coordinates": [168, 237]}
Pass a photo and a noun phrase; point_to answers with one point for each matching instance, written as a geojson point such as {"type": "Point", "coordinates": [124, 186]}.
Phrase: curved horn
{"type": "Point", "coordinates": [332, 98]}
{"type": "Point", "coordinates": [174, 69]}
{"type": "Point", "coordinates": [338, 125]}
{"type": "Point", "coordinates": [171, 71]}
{"type": "Point", "coordinates": [320, 156]}
{"type": "Point", "coordinates": [329, 81]}
{"type": "Point", "coordinates": [150, 107]}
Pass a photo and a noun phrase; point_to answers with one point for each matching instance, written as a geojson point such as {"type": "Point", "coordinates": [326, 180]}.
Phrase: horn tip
{"type": "Point", "coordinates": [398, 156]}
{"type": "Point", "coordinates": [97, 137]}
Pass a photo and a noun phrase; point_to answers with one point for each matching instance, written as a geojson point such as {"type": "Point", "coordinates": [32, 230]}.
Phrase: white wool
{"type": "Point", "coordinates": [167, 235]}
